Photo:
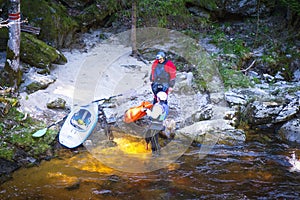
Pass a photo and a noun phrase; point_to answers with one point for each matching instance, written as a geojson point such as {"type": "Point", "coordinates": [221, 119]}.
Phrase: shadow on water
{"type": "Point", "coordinates": [253, 170]}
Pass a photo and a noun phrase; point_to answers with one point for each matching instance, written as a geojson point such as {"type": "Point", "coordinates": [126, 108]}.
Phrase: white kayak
{"type": "Point", "coordinates": [79, 124]}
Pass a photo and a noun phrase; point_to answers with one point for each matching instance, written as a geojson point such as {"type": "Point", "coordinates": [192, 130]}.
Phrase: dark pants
{"type": "Point", "coordinates": [158, 87]}
{"type": "Point", "coordinates": [152, 137]}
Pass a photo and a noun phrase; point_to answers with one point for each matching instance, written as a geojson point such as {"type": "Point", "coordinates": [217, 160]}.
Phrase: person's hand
{"type": "Point", "coordinates": [170, 90]}
{"type": "Point", "coordinates": [148, 112]}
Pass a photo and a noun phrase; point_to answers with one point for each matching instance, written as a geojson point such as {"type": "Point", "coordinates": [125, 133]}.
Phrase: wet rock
{"type": "Point", "coordinates": [279, 76]}
{"type": "Point", "coordinates": [235, 99]}
{"type": "Point", "coordinates": [296, 76]}
{"type": "Point", "coordinates": [290, 131]}
{"type": "Point", "coordinates": [35, 82]}
{"type": "Point", "coordinates": [75, 186]}
{"type": "Point", "coordinates": [202, 113]}
{"type": "Point", "coordinates": [288, 111]}
{"type": "Point", "coordinates": [58, 103]}
{"type": "Point", "coordinates": [218, 130]}
{"type": "Point", "coordinates": [243, 96]}
{"type": "Point", "coordinates": [268, 78]}
{"type": "Point", "coordinates": [232, 136]}
{"type": "Point", "coordinates": [262, 112]}
{"type": "Point", "coordinates": [6, 167]}
{"type": "Point", "coordinates": [266, 106]}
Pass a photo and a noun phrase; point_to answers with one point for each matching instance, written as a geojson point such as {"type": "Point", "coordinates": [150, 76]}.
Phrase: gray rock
{"type": "Point", "coordinates": [58, 103]}
{"type": "Point", "coordinates": [262, 112]}
{"type": "Point", "coordinates": [213, 131]}
{"type": "Point", "coordinates": [235, 99]}
{"type": "Point", "coordinates": [296, 75]}
{"type": "Point", "coordinates": [289, 111]}
{"type": "Point", "coordinates": [35, 82]}
{"type": "Point", "coordinates": [290, 131]}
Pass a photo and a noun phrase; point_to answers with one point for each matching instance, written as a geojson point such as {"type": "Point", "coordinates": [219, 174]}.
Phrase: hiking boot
{"type": "Point", "coordinates": [155, 153]}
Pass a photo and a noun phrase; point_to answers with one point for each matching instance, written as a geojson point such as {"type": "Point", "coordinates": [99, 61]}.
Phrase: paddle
{"type": "Point", "coordinates": [43, 131]}
{"type": "Point", "coordinates": [107, 99]}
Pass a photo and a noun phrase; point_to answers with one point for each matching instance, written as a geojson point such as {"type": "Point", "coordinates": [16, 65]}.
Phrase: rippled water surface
{"type": "Point", "coordinates": [248, 171]}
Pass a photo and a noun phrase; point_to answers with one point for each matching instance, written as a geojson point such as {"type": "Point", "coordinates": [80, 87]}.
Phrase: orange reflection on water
{"type": "Point", "coordinates": [131, 147]}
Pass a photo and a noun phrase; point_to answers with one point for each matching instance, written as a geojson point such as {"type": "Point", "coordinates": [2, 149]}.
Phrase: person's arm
{"type": "Point", "coordinates": [171, 69]}
{"type": "Point", "coordinates": [153, 70]}
{"type": "Point", "coordinates": [156, 111]}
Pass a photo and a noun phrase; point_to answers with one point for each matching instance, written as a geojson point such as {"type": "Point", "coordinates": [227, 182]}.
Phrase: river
{"type": "Point", "coordinates": [256, 169]}
{"type": "Point", "coordinates": [252, 170]}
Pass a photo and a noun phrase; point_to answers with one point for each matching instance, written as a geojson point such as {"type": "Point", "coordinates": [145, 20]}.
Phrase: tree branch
{"type": "Point", "coordinates": [251, 65]}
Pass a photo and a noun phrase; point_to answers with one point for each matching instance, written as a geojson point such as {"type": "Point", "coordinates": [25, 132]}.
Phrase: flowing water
{"type": "Point", "coordinates": [253, 170]}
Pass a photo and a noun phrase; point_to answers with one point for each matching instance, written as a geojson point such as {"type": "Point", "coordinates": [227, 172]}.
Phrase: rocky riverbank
{"type": "Point", "coordinates": [229, 56]}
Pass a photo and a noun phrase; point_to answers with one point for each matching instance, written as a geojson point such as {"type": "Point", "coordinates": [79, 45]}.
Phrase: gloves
{"type": "Point", "coordinates": [148, 112]}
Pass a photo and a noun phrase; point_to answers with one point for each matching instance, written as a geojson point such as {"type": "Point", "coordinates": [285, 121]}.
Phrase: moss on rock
{"type": "Point", "coordinates": [16, 130]}
{"type": "Point", "coordinates": [91, 15]}
{"type": "Point", "coordinates": [57, 26]}
{"type": "Point", "coordinates": [37, 53]}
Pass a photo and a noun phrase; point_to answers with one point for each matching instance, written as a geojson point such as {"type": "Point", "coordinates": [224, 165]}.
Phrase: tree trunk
{"type": "Point", "coordinates": [12, 64]}
{"type": "Point", "coordinates": [133, 30]}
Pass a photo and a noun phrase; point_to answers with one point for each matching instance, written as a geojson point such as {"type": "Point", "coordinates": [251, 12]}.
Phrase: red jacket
{"type": "Point", "coordinates": [169, 67]}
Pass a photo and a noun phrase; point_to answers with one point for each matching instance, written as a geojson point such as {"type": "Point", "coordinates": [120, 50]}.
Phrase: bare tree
{"type": "Point", "coordinates": [133, 30]}
{"type": "Point", "coordinates": [12, 64]}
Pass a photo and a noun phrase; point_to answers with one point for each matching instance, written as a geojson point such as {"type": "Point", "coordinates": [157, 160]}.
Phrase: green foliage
{"type": "Point", "coordinates": [229, 45]}
{"type": "Point", "coordinates": [114, 5]}
{"type": "Point", "coordinates": [16, 132]}
{"type": "Point", "coordinates": [234, 79]}
{"type": "Point", "coordinates": [6, 151]}
{"type": "Point", "coordinates": [294, 5]}
{"type": "Point", "coordinates": [208, 4]}
{"type": "Point", "coordinates": [161, 9]}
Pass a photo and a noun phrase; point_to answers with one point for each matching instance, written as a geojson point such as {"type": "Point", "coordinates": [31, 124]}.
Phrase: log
{"type": "Point", "coordinates": [30, 29]}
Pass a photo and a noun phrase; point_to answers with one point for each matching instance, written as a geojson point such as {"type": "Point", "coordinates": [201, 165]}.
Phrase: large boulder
{"type": "Point", "coordinates": [213, 131]}
{"type": "Point", "coordinates": [38, 54]}
{"type": "Point", "coordinates": [57, 27]}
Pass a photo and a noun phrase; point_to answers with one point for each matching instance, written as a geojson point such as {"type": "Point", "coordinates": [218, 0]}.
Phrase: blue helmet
{"type": "Point", "coordinates": [160, 55]}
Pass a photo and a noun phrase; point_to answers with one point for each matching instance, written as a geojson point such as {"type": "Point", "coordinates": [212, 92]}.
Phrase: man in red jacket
{"type": "Point", "coordinates": [162, 76]}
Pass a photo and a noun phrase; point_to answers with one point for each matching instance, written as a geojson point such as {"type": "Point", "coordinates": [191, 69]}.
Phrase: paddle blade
{"type": "Point", "coordinates": [40, 133]}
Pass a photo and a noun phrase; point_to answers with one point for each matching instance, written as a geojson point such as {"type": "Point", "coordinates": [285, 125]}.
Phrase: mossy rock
{"type": "Point", "coordinates": [92, 15]}
{"type": "Point", "coordinates": [37, 53]}
{"type": "Point", "coordinates": [57, 27]}
{"type": "Point", "coordinates": [58, 103]}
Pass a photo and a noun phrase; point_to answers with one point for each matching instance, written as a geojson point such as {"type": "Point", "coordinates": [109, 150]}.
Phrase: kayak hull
{"type": "Point", "coordinates": [79, 124]}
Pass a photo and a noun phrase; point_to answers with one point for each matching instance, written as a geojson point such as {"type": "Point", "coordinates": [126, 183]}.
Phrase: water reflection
{"type": "Point", "coordinates": [248, 171]}
{"type": "Point", "coordinates": [128, 153]}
